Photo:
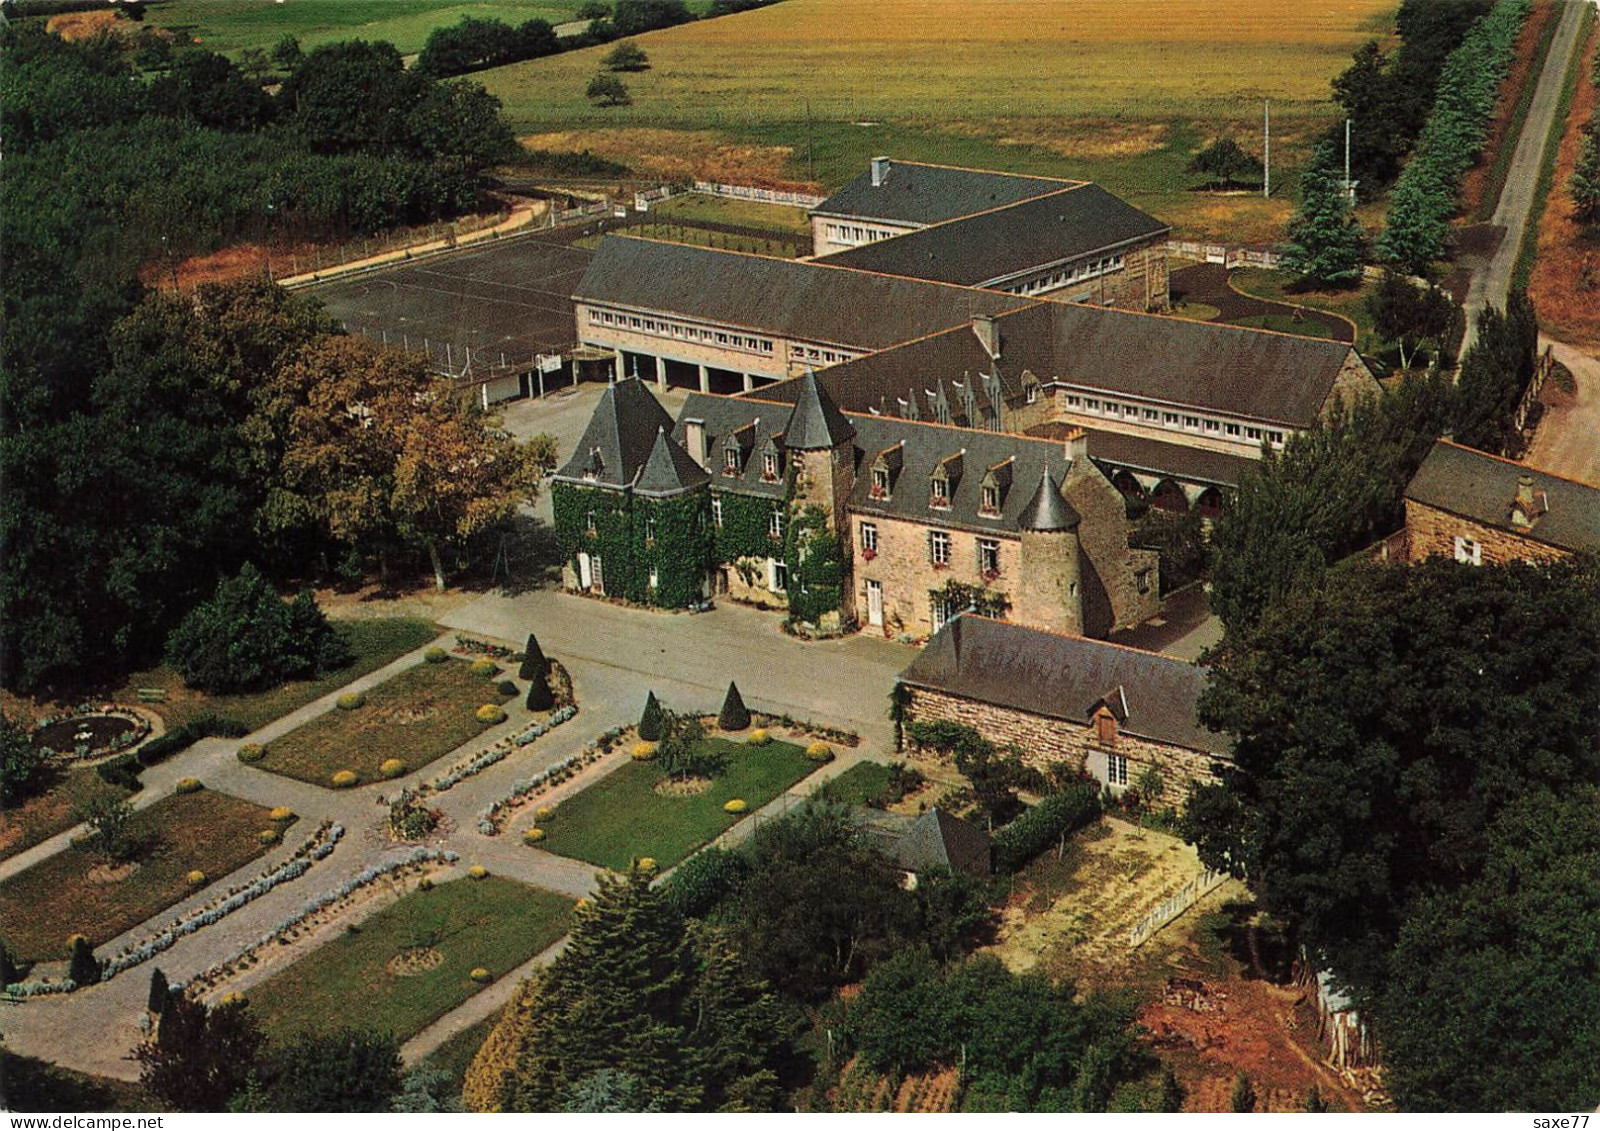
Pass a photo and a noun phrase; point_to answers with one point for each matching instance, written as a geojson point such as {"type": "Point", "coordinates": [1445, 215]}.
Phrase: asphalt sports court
{"type": "Point", "coordinates": [511, 298]}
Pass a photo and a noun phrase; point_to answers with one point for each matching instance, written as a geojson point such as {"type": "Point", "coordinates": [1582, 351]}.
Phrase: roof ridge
{"type": "Point", "coordinates": [1019, 436]}
{"type": "Point", "coordinates": [1018, 626]}
{"type": "Point", "coordinates": [1518, 464]}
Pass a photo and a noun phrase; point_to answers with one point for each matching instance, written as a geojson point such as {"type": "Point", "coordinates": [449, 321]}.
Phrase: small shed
{"type": "Point", "coordinates": [933, 841]}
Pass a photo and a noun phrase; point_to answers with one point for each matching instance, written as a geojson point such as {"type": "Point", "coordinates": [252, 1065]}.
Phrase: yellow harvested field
{"type": "Point", "coordinates": [944, 59]}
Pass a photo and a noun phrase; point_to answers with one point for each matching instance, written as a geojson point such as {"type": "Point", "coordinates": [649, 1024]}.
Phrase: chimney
{"type": "Point", "coordinates": [1524, 509]}
{"type": "Point", "coordinates": [1077, 451]}
{"type": "Point", "coordinates": [988, 332]}
{"type": "Point", "coordinates": [880, 171]}
{"type": "Point", "coordinates": [694, 439]}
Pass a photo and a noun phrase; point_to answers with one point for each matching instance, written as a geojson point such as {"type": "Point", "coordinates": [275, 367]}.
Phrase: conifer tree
{"type": "Point", "coordinates": [734, 716]}
{"type": "Point", "coordinates": [9, 974]}
{"type": "Point", "coordinates": [650, 721]}
{"type": "Point", "coordinates": [539, 696]}
{"type": "Point", "coordinates": [84, 967]}
{"type": "Point", "coordinates": [159, 989]}
{"type": "Point", "coordinates": [1325, 242]}
{"type": "Point", "coordinates": [534, 663]}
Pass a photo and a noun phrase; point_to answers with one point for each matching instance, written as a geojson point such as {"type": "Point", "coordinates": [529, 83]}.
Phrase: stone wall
{"type": "Point", "coordinates": [1121, 586]}
{"type": "Point", "coordinates": [1354, 383]}
{"type": "Point", "coordinates": [1054, 745]}
{"type": "Point", "coordinates": [903, 567]}
{"type": "Point", "coordinates": [1431, 531]}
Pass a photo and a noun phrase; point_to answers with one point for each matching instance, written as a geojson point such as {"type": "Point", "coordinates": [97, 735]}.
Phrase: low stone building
{"type": "Point", "coordinates": [1124, 716]}
{"type": "Point", "coordinates": [1481, 509]}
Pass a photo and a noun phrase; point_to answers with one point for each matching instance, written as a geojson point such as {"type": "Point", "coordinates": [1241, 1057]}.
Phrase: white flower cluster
{"type": "Point", "coordinates": [492, 819]}
{"type": "Point", "coordinates": [39, 989]}
{"type": "Point", "coordinates": [316, 847]}
{"type": "Point", "coordinates": [498, 752]}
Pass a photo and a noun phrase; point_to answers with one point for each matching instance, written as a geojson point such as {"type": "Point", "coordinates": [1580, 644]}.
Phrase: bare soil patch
{"type": "Point", "coordinates": [414, 961]}
{"type": "Point", "coordinates": [111, 873]}
{"type": "Point", "coordinates": [682, 787]}
{"type": "Point", "coordinates": [676, 154]}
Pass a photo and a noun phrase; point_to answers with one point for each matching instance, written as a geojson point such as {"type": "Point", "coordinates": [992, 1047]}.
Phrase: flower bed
{"type": "Point", "coordinates": [470, 646]}
{"type": "Point", "coordinates": [492, 820]}
{"type": "Point", "coordinates": [106, 728]}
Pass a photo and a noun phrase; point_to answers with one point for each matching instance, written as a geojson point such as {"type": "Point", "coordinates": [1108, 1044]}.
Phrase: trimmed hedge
{"type": "Point", "coordinates": [1057, 816]}
{"type": "Point", "coordinates": [704, 880]}
{"type": "Point", "coordinates": [181, 738]}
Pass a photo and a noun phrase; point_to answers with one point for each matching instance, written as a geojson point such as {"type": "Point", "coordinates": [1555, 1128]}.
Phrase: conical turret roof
{"type": "Point", "coordinates": [670, 470]}
{"type": "Point", "coordinates": [816, 423]}
{"type": "Point", "coordinates": [1048, 510]}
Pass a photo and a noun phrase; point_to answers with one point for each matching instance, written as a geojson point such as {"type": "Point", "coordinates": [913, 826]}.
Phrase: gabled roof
{"type": "Point", "coordinates": [817, 423]}
{"type": "Point", "coordinates": [620, 436]}
{"type": "Point", "coordinates": [914, 193]}
{"type": "Point", "coordinates": [669, 470]}
{"type": "Point", "coordinates": [1046, 509]}
{"type": "Point", "coordinates": [941, 840]}
{"type": "Point", "coordinates": [750, 426]}
{"type": "Point", "coordinates": [784, 297]}
{"type": "Point", "coordinates": [1112, 449]}
{"type": "Point", "coordinates": [1065, 677]}
{"type": "Point", "coordinates": [993, 246]}
{"type": "Point", "coordinates": [1481, 487]}
{"type": "Point", "coordinates": [1256, 374]}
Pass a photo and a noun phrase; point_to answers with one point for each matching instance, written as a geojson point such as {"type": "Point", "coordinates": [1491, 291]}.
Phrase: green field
{"type": "Point", "coordinates": [494, 923]}
{"type": "Point", "coordinates": [701, 237]}
{"type": "Point", "coordinates": [1278, 285]}
{"type": "Point", "coordinates": [621, 817]}
{"type": "Point", "coordinates": [416, 716]}
{"type": "Point", "coordinates": [696, 206]}
{"type": "Point", "coordinates": [858, 785]}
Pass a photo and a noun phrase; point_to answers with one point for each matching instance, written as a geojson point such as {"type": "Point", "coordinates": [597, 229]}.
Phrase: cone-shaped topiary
{"type": "Point", "coordinates": [650, 721]}
{"type": "Point", "coordinates": [158, 991]}
{"type": "Point", "coordinates": [735, 715]}
{"type": "Point", "coordinates": [539, 697]}
{"type": "Point", "coordinates": [85, 967]}
{"type": "Point", "coordinates": [534, 664]}
{"type": "Point", "coordinates": [8, 969]}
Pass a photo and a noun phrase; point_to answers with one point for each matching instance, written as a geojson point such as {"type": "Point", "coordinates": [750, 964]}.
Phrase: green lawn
{"type": "Point", "coordinates": [621, 817]}
{"type": "Point", "coordinates": [47, 812]}
{"type": "Point", "coordinates": [455, 1055]}
{"type": "Point", "coordinates": [1278, 285]}
{"type": "Point", "coordinates": [701, 237]}
{"type": "Point", "coordinates": [858, 785]}
{"type": "Point", "coordinates": [55, 899]}
{"type": "Point", "coordinates": [1307, 326]}
{"type": "Point", "coordinates": [374, 643]}
{"type": "Point", "coordinates": [728, 210]}
{"type": "Point", "coordinates": [494, 923]}
{"type": "Point", "coordinates": [416, 716]}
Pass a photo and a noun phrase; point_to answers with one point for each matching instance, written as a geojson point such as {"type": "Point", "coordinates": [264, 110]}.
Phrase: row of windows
{"type": "Point", "coordinates": [1179, 422]}
{"type": "Point", "coordinates": [856, 234]}
{"type": "Point", "coordinates": [939, 493]}
{"type": "Point", "coordinates": [1088, 269]}
{"type": "Point", "coordinates": [680, 330]}
{"type": "Point", "coordinates": [774, 521]}
{"type": "Point", "coordinates": [816, 353]}
{"type": "Point", "coordinates": [986, 550]}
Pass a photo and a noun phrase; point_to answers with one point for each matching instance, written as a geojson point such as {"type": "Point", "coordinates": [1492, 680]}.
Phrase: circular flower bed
{"type": "Point", "coordinates": [90, 732]}
{"type": "Point", "coordinates": [415, 960]}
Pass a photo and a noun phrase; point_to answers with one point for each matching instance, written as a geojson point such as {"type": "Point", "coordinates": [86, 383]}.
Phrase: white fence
{"type": "Point", "coordinates": [560, 216]}
{"type": "Point", "coordinates": [1173, 906]}
{"type": "Point", "coordinates": [765, 195]}
{"type": "Point", "coordinates": [643, 200]}
{"type": "Point", "coordinates": [1229, 257]}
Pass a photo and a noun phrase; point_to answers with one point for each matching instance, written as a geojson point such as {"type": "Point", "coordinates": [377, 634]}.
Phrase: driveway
{"type": "Point", "coordinates": [1567, 441]}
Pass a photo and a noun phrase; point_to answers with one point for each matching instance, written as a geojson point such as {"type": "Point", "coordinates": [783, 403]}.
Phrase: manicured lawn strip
{"type": "Point", "coordinates": [495, 923]}
{"type": "Point", "coordinates": [621, 816]}
{"type": "Point", "coordinates": [375, 642]}
{"type": "Point", "coordinates": [859, 784]}
{"type": "Point", "coordinates": [45, 814]}
{"type": "Point", "coordinates": [729, 210]}
{"type": "Point", "coordinates": [207, 831]}
{"type": "Point", "coordinates": [1286, 324]}
{"type": "Point", "coordinates": [1351, 304]}
{"type": "Point", "coordinates": [416, 716]}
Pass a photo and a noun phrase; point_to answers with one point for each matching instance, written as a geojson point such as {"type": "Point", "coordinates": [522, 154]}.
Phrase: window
{"type": "Point", "coordinates": [1275, 438]}
{"type": "Point", "coordinates": [777, 575]}
{"type": "Point", "coordinates": [588, 522]}
{"type": "Point", "coordinates": [1073, 400]}
{"type": "Point", "coordinates": [869, 537]}
{"type": "Point", "coordinates": [939, 547]}
{"type": "Point", "coordinates": [938, 612]}
{"type": "Point", "coordinates": [1152, 415]}
{"type": "Point", "coordinates": [1469, 550]}
{"type": "Point", "coordinates": [988, 555]}
{"type": "Point", "coordinates": [716, 511]}
{"type": "Point", "coordinates": [941, 492]}
{"type": "Point", "coordinates": [880, 483]}
{"type": "Point", "coordinates": [649, 531]}
{"type": "Point", "coordinates": [1231, 430]}
{"type": "Point", "coordinates": [991, 499]}
{"type": "Point", "coordinates": [1252, 433]}
{"type": "Point", "coordinates": [1213, 426]}
{"type": "Point", "coordinates": [655, 578]}
{"type": "Point", "coordinates": [1170, 418]}
{"type": "Point", "coordinates": [1033, 394]}
{"type": "Point", "coordinates": [775, 524]}
{"type": "Point", "coordinates": [1116, 769]}
{"type": "Point", "coordinates": [1091, 404]}
{"type": "Point", "coordinates": [769, 465]}
{"type": "Point", "coordinates": [730, 461]}
{"type": "Point", "coordinates": [1191, 422]}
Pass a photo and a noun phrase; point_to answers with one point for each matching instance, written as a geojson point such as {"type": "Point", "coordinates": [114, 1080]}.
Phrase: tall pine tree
{"type": "Point", "coordinates": [1326, 247]}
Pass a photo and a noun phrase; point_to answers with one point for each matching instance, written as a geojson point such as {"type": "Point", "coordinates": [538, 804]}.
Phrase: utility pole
{"type": "Point", "coordinates": [811, 164]}
{"type": "Point", "coordinates": [1266, 148]}
{"type": "Point", "coordinates": [1349, 185]}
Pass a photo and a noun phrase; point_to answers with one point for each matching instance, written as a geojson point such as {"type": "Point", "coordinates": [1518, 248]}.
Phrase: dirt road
{"type": "Point", "coordinates": [1567, 442]}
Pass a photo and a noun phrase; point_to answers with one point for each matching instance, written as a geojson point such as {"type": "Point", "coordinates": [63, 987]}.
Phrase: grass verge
{"type": "Point", "coordinates": [494, 923]}
{"type": "Point", "coordinates": [416, 716]}
{"type": "Point", "coordinates": [1278, 286]}
{"type": "Point", "coordinates": [1529, 250]}
{"type": "Point", "coordinates": [621, 817]}
{"type": "Point", "coordinates": [47, 812]}
{"type": "Point", "coordinates": [210, 832]}
{"type": "Point", "coordinates": [694, 206]}
{"type": "Point", "coordinates": [861, 783]}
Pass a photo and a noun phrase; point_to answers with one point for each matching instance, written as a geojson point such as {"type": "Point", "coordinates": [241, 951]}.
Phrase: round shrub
{"type": "Point", "coordinates": [485, 667]}
{"type": "Point", "coordinates": [196, 878]}
{"type": "Point", "coordinates": [282, 813]}
{"type": "Point", "coordinates": [819, 752]}
{"type": "Point", "coordinates": [533, 836]}
{"type": "Point", "coordinates": [643, 751]}
{"type": "Point", "coordinates": [235, 998]}
{"type": "Point", "coordinates": [647, 863]}
{"type": "Point", "coordinates": [506, 687]}
{"type": "Point", "coordinates": [188, 785]}
{"type": "Point", "coordinates": [252, 752]}
{"type": "Point", "coordinates": [269, 837]}
{"type": "Point", "coordinates": [344, 779]}
{"type": "Point", "coordinates": [392, 768]}
{"type": "Point", "coordinates": [491, 713]}
{"type": "Point", "coordinates": [479, 974]}
{"type": "Point", "coordinates": [351, 701]}
{"type": "Point", "coordinates": [759, 737]}
{"type": "Point", "coordinates": [544, 813]}
{"type": "Point", "coordinates": [737, 805]}
{"type": "Point", "coordinates": [436, 655]}
{"type": "Point", "coordinates": [477, 872]}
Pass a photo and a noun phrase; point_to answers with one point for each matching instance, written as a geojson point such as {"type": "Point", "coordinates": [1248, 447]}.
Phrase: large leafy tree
{"type": "Point", "coordinates": [20, 761]}
{"type": "Point", "coordinates": [200, 1057]}
{"type": "Point", "coordinates": [1493, 998]}
{"type": "Point", "coordinates": [1494, 375]}
{"type": "Point", "coordinates": [1226, 165]}
{"type": "Point", "coordinates": [1381, 721]}
{"type": "Point", "coordinates": [342, 1070]}
{"type": "Point", "coordinates": [1409, 315]}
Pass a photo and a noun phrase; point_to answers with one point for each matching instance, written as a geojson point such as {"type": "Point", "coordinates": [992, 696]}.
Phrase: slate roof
{"type": "Point", "coordinates": [817, 423]}
{"type": "Point", "coordinates": [1046, 509]}
{"type": "Point", "coordinates": [1065, 677]}
{"type": "Point", "coordinates": [1110, 448]}
{"type": "Point", "coordinates": [621, 433]}
{"type": "Point", "coordinates": [996, 245]}
{"type": "Point", "coordinates": [670, 470]}
{"type": "Point", "coordinates": [941, 840]}
{"type": "Point", "coordinates": [915, 193]}
{"type": "Point", "coordinates": [1275, 378]}
{"type": "Point", "coordinates": [784, 297]}
{"type": "Point", "coordinates": [1481, 487]}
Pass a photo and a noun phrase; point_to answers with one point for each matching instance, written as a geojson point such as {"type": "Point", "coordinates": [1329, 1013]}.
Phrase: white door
{"type": "Point", "coordinates": [875, 604]}
{"type": "Point", "coordinates": [585, 576]}
{"type": "Point", "coordinates": [599, 574]}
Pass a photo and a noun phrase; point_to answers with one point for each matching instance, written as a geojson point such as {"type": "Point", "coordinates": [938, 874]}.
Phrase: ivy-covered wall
{"type": "Point", "coordinates": [746, 528]}
{"type": "Point", "coordinates": [815, 560]}
{"type": "Point", "coordinates": [632, 536]}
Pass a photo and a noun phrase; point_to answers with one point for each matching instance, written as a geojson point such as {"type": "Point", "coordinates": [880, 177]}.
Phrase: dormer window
{"type": "Point", "coordinates": [880, 483]}
{"type": "Point", "coordinates": [730, 460]}
{"type": "Point", "coordinates": [769, 466]}
{"type": "Point", "coordinates": [940, 491]}
{"type": "Point", "coordinates": [991, 499]}
{"type": "Point", "coordinates": [594, 465]}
